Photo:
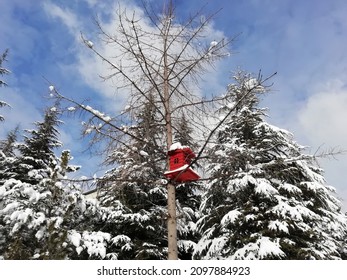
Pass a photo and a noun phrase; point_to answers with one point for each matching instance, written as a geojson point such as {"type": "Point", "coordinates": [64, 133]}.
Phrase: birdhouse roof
{"type": "Point", "coordinates": [176, 146]}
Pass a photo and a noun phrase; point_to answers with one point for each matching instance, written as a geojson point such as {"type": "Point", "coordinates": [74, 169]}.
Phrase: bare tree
{"type": "Point", "coordinates": [160, 63]}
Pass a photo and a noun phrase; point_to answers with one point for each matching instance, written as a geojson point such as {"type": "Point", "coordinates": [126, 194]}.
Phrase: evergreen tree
{"type": "Point", "coordinates": [37, 151]}
{"type": "Point", "coordinates": [268, 200]}
{"type": "Point", "coordinates": [9, 145]}
{"type": "Point", "coordinates": [42, 216]}
{"type": "Point", "coordinates": [3, 71]}
{"type": "Point", "coordinates": [8, 149]}
{"type": "Point", "coordinates": [52, 220]}
{"type": "Point", "coordinates": [42, 141]}
{"type": "Point", "coordinates": [188, 196]}
{"type": "Point", "coordinates": [135, 182]}
{"type": "Point", "coordinates": [183, 132]}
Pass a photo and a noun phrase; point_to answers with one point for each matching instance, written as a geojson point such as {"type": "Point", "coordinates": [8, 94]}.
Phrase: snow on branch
{"type": "Point", "coordinates": [105, 119]}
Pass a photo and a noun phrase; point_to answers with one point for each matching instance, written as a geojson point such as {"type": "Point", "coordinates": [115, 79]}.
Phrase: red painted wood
{"type": "Point", "coordinates": [177, 160]}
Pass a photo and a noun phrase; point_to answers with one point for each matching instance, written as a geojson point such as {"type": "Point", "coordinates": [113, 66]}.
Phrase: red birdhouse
{"type": "Point", "coordinates": [179, 159]}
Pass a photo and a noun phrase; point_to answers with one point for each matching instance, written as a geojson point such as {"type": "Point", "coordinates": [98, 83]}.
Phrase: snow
{"type": "Point", "coordinates": [211, 48]}
{"type": "Point", "coordinates": [186, 245]}
{"type": "Point", "coordinates": [2, 191]}
{"type": "Point", "coordinates": [38, 219]}
{"type": "Point", "coordinates": [31, 193]}
{"type": "Point", "coordinates": [120, 239]}
{"type": "Point", "coordinates": [107, 119]}
{"type": "Point", "coordinates": [251, 83]}
{"type": "Point", "coordinates": [278, 226]}
{"type": "Point", "coordinates": [88, 131]}
{"type": "Point", "coordinates": [269, 248]}
{"type": "Point", "coordinates": [230, 217]}
{"type": "Point", "coordinates": [79, 249]}
{"type": "Point", "coordinates": [95, 243]}
{"type": "Point", "coordinates": [90, 44]}
{"type": "Point", "coordinates": [143, 153]}
{"type": "Point", "coordinates": [263, 248]}
{"type": "Point", "coordinates": [163, 182]}
{"type": "Point", "coordinates": [231, 105]}
{"type": "Point", "coordinates": [97, 113]}
{"type": "Point", "coordinates": [71, 109]}
{"type": "Point", "coordinates": [241, 182]}
{"type": "Point", "coordinates": [213, 44]}
{"type": "Point", "coordinates": [9, 207]}
{"type": "Point", "coordinates": [51, 88]}
{"type": "Point", "coordinates": [175, 146]}
{"type": "Point", "coordinates": [58, 222]}
{"type": "Point", "coordinates": [264, 187]}
{"type": "Point", "coordinates": [290, 188]}
{"type": "Point", "coordinates": [216, 247]}
{"type": "Point", "coordinates": [35, 174]}
{"type": "Point", "coordinates": [297, 212]}
{"type": "Point", "coordinates": [40, 233]}
{"type": "Point", "coordinates": [36, 256]}
{"type": "Point", "coordinates": [75, 238]}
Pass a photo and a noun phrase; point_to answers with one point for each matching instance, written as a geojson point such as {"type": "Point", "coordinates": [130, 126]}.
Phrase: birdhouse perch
{"type": "Point", "coordinates": [179, 159]}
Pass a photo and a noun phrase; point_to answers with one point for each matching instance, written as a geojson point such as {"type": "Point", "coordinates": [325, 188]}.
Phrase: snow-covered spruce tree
{"type": "Point", "coordinates": [3, 71]}
{"type": "Point", "coordinates": [8, 148]}
{"type": "Point", "coordinates": [9, 145]}
{"type": "Point", "coordinates": [188, 196]}
{"type": "Point", "coordinates": [19, 183]}
{"type": "Point", "coordinates": [267, 199]}
{"type": "Point", "coordinates": [37, 150]}
{"type": "Point", "coordinates": [135, 181]}
{"type": "Point", "coordinates": [52, 220]}
{"type": "Point", "coordinates": [41, 217]}
{"type": "Point", "coordinates": [184, 132]}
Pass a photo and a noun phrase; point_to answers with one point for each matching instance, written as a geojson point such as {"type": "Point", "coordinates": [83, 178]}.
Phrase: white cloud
{"type": "Point", "coordinates": [22, 112]}
{"type": "Point", "coordinates": [90, 67]}
{"type": "Point", "coordinates": [324, 116]}
{"type": "Point", "coordinates": [63, 14]}
{"type": "Point", "coordinates": [323, 121]}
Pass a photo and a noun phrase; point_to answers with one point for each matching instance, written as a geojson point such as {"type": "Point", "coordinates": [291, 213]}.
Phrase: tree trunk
{"type": "Point", "coordinates": [171, 191]}
{"type": "Point", "coordinates": [172, 223]}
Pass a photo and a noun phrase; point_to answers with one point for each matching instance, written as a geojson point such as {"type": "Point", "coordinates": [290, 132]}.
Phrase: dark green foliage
{"type": "Point", "coordinates": [135, 182]}
{"type": "Point", "coordinates": [42, 216]}
{"type": "Point", "coordinates": [9, 145]}
{"type": "Point", "coordinates": [268, 199]}
{"type": "Point", "coordinates": [36, 154]}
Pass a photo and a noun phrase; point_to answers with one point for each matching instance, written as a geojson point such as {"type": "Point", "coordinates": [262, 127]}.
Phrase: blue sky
{"type": "Point", "coordinates": [303, 41]}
